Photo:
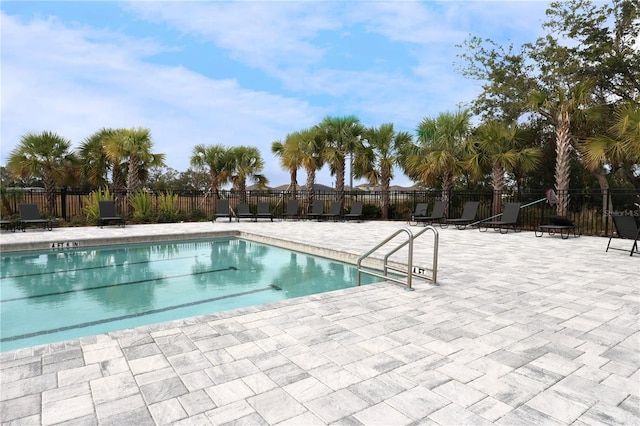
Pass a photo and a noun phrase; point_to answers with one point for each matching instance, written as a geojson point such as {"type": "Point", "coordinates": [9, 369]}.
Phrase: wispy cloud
{"type": "Point", "coordinates": [286, 65]}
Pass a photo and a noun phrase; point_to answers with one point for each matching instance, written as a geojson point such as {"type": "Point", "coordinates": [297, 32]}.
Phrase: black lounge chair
{"type": "Point", "coordinates": [264, 212]}
{"type": "Point", "coordinates": [437, 215]}
{"type": "Point", "coordinates": [222, 210]}
{"type": "Point", "coordinates": [335, 211]}
{"type": "Point", "coordinates": [469, 213]}
{"type": "Point", "coordinates": [293, 210]}
{"type": "Point", "coordinates": [29, 215]}
{"type": "Point", "coordinates": [420, 212]}
{"type": "Point", "coordinates": [317, 210]}
{"type": "Point", "coordinates": [510, 215]}
{"type": "Point", "coordinates": [244, 212]}
{"type": "Point", "coordinates": [8, 225]}
{"type": "Point", "coordinates": [627, 227]}
{"type": "Point", "coordinates": [108, 213]}
{"type": "Point", "coordinates": [559, 224]}
{"type": "Point", "coordinates": [356, 212]}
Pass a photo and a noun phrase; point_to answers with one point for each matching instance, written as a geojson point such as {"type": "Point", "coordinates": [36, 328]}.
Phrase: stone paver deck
{"type": "Point", "coordinates": [520, 330]}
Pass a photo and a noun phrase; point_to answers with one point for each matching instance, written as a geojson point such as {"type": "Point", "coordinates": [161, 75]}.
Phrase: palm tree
{"type": "Point", "coordinates": [135, 145]}
{"type": "Point", "coordinates": [440, 150]}
{"type": "Point", "coordinates": [618, 149]}
{"type": "Point", "coordinates": [312, 147]}
{"type": "Point", "coordinates": [379, 154]}
{"type": "Point", "coordinates": [497, 146]}
{"type": "Point", "coordinates": [291, 157]}
{"type": "Point", "coordinates": [219, 161]}
{"type": "Point", "coordinates": [561, 108]}
{"type": "Point", "coordinates": [46, 155]}
{"type": "Point", "coordinates": [341, 138]}
{"type": "Point", "coordinates": [247, 164]}
{"type": "Point", "coordinates": [95, 164]}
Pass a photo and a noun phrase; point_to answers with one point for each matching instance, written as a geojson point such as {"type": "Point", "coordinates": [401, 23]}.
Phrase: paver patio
{"type": "Point", "coordinates": [520, 330]}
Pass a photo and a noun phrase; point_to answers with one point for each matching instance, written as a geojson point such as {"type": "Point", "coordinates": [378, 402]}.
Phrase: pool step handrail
{"type": "Point", "coordinates": [410, 272]}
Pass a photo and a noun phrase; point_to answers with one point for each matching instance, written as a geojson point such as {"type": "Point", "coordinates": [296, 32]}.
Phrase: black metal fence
{"type": "Point", "coordinates": [590, 210]}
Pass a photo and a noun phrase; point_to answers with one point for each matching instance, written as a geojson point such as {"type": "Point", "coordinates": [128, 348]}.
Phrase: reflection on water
{"type": "Point", "coordinates": [54, 295]}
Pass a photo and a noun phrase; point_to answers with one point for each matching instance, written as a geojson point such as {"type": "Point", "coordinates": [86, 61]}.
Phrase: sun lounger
{"type": "Point", "coordinates": [469, 213]}
{"type": "Point", "coordinates": [29, 215]}
{"type": "Point", "coordinates": [8, 225]}
{"type": "Point", "coordinates": [509, 219]}
{"type": "Point", "coordinates": [627, 228]}
{"type": "Point", "coordinates": [108, 213]}
{"type": "Point", "coordinates": [437, 215]}
{"type": "Point", "coordinates": [222, 210]}
{"type": "Point", "coordinates": [264, 212]}
{"type": "Point", "coordinates": [244, 212]}
{"type": "Point", "coordinates": [335, 211]}
{"type": "Point", "coordinates": [293, 210]}
{"type": "Point", "coordinates": [317, 210]}
{"type": "Point", "coordinates": [559, 224]}
{"type": "Point", "coordinates": [356, 212]}
{"type": "Point", "coordinates": [420, 211]}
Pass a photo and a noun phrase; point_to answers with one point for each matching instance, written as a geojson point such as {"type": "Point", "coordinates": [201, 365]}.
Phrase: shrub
{"type": "Point", "coordinates": [91, 207]}
{"type": "Point", "coordinates": [168, 207]}
{"type": "Point", "coordinates": [142, 205]}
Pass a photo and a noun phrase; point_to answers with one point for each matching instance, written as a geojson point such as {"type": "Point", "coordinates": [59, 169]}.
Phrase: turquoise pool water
{"type": "Point", "coordinates": [50, 296]}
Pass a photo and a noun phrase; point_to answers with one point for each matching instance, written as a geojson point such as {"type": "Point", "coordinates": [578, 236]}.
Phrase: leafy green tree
{"type": "Point", "coordinates": [247, 164]}
{"type": "Point", "coordinates": [219, 162]}
{"type": "Point", "coordinates": [498, 146]}
{"type": "Point", "coordinates": [341, 138]}
{"type": "Point", "coordinates": [46, 155]}
{"type": "Point", "coordinates": [380, 152]}
{"type": "Point", "coordinates": [442, 147]}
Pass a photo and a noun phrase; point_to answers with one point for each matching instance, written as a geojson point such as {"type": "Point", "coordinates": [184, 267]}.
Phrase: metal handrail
{"type": "Point", "coordinates": [410, 270]}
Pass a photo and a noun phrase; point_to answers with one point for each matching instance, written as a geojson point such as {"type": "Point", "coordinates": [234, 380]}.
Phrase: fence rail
{"type": "Point", "coordinates": [591, 211]}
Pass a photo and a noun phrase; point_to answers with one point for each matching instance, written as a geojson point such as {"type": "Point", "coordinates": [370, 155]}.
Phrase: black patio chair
{"type": "Point", "coordinates": [627, 228]}
{"type": "Point", "coordinates": [419, 212]}
{"type": "Point", "coordinates": [29, 215]}
{"type": "Point", "coordinates": [469, 213]}
{"type": "Point", "coordinates": [8, 225]}
{"type": "Point", "coordinates": [108, 214]}
{"type": "Point", "coordinates": [437, 215]}
{"type": "Point", "coordinates": [264, 211]}
{"type": "Point", "coordinates": [222, 210]}
{"type": "Point", "coordinates": [509, 215]}
{"type": "Point", "coordinates": [293, 210]}
{"type": "Point", "coordinates": [335, 211]}
{"type": "Point", "coordinates": [559, 224]}
{"type": "Point", "coordinates": [317, 210]}
{"type": "Point", "coordinates": [244, 212]}
{"type": "Point", "coordinates": [356, 212]}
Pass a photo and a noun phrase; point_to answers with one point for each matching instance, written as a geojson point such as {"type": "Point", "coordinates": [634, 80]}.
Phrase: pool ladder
{"type": "Point", "coordinates": [411, 271]}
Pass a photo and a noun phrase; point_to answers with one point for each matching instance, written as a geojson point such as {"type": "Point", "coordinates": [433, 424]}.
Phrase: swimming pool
{"type": "Point", "coordinates": [55, 295]}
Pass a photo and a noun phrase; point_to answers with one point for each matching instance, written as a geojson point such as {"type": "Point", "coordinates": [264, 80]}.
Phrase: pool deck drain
{"type": "Point", "coordinates": [521, 330]}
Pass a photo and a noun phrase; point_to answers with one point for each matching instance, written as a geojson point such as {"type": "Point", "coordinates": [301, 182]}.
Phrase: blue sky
{"type": "Point", "coordinates": [239, 73]}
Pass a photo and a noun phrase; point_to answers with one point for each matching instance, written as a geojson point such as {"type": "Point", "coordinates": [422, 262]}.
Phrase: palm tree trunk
{"type": "Point", "coordinates": [340, 182]}
{"type": "Point", "coordinates": [49, 189]}
{"type": "Point", "coordinates": [311, 183]}
{"type": "Point", "coordinates": [294, 183]}
{"type": "Point", "coordinates": [385, 180]}
{"type": "Point", "coordinates": [497, 182]}
{"type": "Point", "coordinates": [447, 186]}
{"type": "Point", "coordinates": [563, 155]}
{"type": "Point", "coordinates": [606, 196]}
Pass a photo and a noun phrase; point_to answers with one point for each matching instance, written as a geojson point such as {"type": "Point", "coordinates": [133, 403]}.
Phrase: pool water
{"type": "Point", "coordinates": [50, 296]}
